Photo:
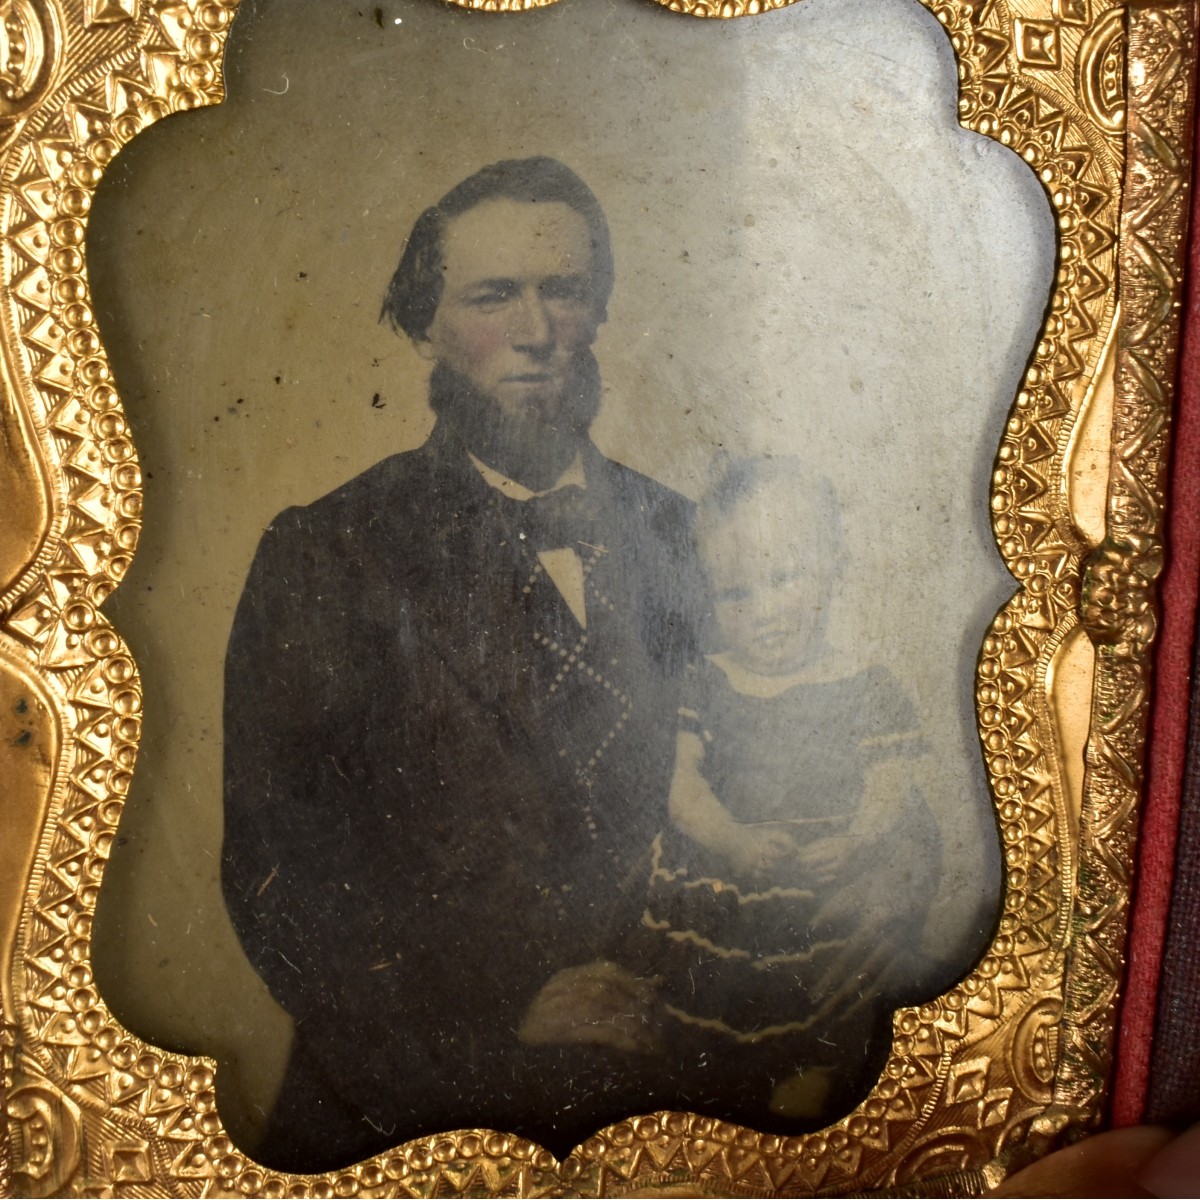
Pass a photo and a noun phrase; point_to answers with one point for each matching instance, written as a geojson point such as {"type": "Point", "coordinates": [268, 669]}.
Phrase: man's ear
{"type": "Point", "coordinates": [424, 347]}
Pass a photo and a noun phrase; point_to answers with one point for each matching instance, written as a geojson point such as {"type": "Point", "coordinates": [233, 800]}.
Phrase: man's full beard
{"type": "Point", "coordinates": [528, 448]}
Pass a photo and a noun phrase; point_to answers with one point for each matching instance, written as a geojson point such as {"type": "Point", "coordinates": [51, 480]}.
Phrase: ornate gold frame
{"type": "Point", "coordinates": [1097, 97]}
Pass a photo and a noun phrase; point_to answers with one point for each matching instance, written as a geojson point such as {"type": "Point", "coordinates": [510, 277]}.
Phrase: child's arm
{"type": "Point", "coordinates": [890, 840]}
{"type": "Point", "coordinates": [695, 810]}
{"type": "Point", "coordinates": [692, 805]}
{"type": "Point", "coordinates": [888, 783]}
{"type": "Point", "coordinates": [881, 814]}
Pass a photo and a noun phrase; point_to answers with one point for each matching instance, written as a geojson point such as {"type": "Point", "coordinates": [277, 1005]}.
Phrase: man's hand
{"type": "Point", "coordinates": [598, 1004]}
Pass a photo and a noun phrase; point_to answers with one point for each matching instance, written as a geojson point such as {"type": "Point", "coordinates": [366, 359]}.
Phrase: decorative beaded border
{"type": "Point", "coordinates": [979, 1078]}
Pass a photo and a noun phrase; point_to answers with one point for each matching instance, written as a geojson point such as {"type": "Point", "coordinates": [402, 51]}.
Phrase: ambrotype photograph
{"type": "Point", "coordinates": [566, 486]}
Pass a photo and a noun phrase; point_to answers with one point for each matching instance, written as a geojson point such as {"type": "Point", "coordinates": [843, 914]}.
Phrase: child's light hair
{"type": "Point", "coordinates": [813, 504]}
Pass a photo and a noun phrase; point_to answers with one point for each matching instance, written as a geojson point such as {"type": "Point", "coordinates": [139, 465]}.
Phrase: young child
{"type": "Point", "coordinates": [800, 858]}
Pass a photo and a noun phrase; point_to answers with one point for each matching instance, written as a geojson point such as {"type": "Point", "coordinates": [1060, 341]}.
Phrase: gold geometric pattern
{"type": "Point", "coordinates": [1037, 44]}
{"type": "Point", "coordinates": [1071, 12]}
{"type": "Point", "coordinates": [1119, 594]}
{"type": "Point", "coordinates": [980, 1078]}
{"type": "Point", "coordinates": [29, 48]}
{"type": "Point", "coordinates": [1100, 71]}
{"type": "Point", "coordinates": [109, 12]}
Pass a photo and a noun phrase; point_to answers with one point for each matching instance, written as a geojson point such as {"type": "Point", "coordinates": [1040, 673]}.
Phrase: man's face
{"type": "Point", "coordinates": [517, 306]}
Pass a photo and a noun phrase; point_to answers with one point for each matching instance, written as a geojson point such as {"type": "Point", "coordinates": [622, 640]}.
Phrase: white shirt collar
{"type": "Point", "coordinates": [573, 476]}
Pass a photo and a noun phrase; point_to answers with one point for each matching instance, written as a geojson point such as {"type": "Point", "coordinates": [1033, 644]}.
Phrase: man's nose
{"type": "Point", "coordinates": [532, 327]}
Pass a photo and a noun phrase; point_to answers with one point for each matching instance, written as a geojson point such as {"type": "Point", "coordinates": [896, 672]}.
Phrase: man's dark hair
{"type": "Point", "coordinates": [416, 288]}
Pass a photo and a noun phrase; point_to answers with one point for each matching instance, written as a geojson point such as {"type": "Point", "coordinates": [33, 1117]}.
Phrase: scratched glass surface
{"type": "Point", "coordinates": [824, 293]}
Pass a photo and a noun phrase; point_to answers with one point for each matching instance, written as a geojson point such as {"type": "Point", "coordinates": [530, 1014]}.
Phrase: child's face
{"type": "Point", "coordinates": [767, 592]}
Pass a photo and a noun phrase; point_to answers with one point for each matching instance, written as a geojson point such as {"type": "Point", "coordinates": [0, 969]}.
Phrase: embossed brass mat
{"type": "Point", "coordinates": [1097, 99]}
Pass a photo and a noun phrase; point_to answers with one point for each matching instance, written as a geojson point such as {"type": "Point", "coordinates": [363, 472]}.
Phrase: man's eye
{"type": "Point", "coordinates": [490, 297]}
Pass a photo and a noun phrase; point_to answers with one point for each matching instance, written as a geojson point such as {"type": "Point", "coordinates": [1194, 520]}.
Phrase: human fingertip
{"type": "Point", "coordinates": [1106, 1164]}
{"type": "Point", "coordinates": [1175, 1169]}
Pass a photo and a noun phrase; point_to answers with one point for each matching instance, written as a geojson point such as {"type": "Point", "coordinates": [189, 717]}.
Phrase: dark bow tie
{"type": "Point", "coordinates": [562, 518]}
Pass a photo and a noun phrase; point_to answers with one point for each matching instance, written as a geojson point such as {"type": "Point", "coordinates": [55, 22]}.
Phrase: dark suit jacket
{"type": "Point", "coordinates": [437, 795]}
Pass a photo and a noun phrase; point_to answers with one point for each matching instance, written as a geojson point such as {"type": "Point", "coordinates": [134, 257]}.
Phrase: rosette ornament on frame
{"type": "Point", "coordinates": [1096, 98]}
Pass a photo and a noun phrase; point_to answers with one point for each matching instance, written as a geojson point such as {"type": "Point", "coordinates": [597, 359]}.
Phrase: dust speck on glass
{"type": "Point", "coordinates": [574, 717]}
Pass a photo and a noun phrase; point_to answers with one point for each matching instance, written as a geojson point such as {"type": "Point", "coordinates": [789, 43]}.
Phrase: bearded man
{"type": "Point", "coordinates": [450, 708]}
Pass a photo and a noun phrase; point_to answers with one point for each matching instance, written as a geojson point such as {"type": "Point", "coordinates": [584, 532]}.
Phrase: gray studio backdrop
{"type": "Point", "coordinates": [812, 259]}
